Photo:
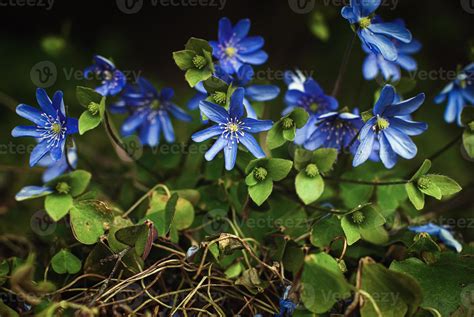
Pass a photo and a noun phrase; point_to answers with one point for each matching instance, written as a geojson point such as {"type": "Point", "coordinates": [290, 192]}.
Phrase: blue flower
{"type": "Point", "coordinates": [335, 130]}
{"type": "Point", "coordinates": [150, 112]}
{"type": "Point", "coordinates": [29, 192]}
{"type": "Point", "coordinates": [287, 307]}
{"type": "Point", "coordinates": [375, 63]}
{"type": "Point", "coordinates": [295, 80]}
{"type": "Point", "coordinates": [57, 168]}
{"type": "Point", "coordinates": [231, 129]}
{"type": "Point", "coordinates": [458, 93]}
{"type": "Point", "coordinates": [51, 126]}
{"type": "Point", "coordinates": [441, 233]}
{"type": "Point", "coordinates": [313, 99]}
{"type": "Point", "coordinates": [377, 36]}
{"type": "Point", "coordinates": [234, 48]}
{"type": "Point", "coordinates": [113, 80]}
{"type": "Point", "coordinates": [391, 131]}
{"type": "Point", "coordinates": [242, 78]}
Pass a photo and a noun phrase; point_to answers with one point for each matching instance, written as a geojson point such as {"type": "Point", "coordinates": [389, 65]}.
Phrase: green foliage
{"type": "Point", "coordinates": [285, 129]}
{"type": "Point", "coordinates": [65, 262]}
{"type": "Point", "coordinates": [361, 223]}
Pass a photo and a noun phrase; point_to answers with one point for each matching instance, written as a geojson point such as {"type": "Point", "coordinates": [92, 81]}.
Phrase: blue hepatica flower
{"type": "Point", "coordinates": [335, 130]}
{"type": "Point", "coordinates": [231, 129]}
{"type": "Point", "coordinates": [313, 99]}
{"type": "Point", "coordinates": [234, 48]}
{"type": "Point", "coordinates": [112, 79]}
{"type": "Point", "coordinates": [287, 307]}
{"type": "Point", "coordinates": [441, 233]}
{"type": "Point", "coordinates": [458, 94]}
{"type": "Point", "coordinates": [295, 80]}
{"type": "Point", "coordinates": [243, 79]}
{"type": "Point", "coordinates": [150, 112]}
{"type": "Point", "coordinates": [51, 126]}
{"type": "Point", "coordinates": [376, 64]}
{"type": "Point", "coordinates": [57, 168]}
{"type": "Point", "coordinates": [376, 35]}
{"type": "Point", "coordinates": [391, 131]}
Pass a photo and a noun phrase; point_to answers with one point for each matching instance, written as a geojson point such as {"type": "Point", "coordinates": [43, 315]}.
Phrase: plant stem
{"type": "Point", "coordinates": [368, 183]}
{"type": "Point", "coordinates": [343, 67]}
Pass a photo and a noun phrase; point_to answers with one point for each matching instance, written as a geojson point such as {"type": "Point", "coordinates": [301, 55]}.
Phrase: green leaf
{"type": "Point", "coordinates": [250, 180]}
{"type": "Point", "coordinates": [7, 311]}
{"type": "Point", "coordinates": [446, 185]}
{"type": "Point", "coordinates": [275, 137]}
{"type": "Point", "coordinates": [139, 236]}
{"type": "Point", "coordinates": [65, 262]}
{"type": "Point", "coordinates": [431, 190]}
{"type": "Point", "coordinates": [326, 230]}
{"type": "Point", "coordinates": [302, 158]}
{"type": "Point", "coordinates": [87, 95]}
{"type": "Point", "coordinates": [194, 76]}
{"type": "Point", "coordinates": [395, 294]}
{"type": "Point", "coordinates": [58, 205]}
{"type": "Point", "coordinates": [309, 189]}
{"type": "Point", "coordinates": [424, 168]}
{"type": "Point", "coordinates": [325, 159]}
{"type": "Point", "coordinates": [351, 230]}
{"type": "Point", "coordinates": [166, 212]}
{"type": "Point", "coordinates": [4, 270]}
{"type": "Point", "coordinates": [289, 134]}
{"type": "Point", "coordinates": [88, 121]}
{"type": "Point", "coordinates": [442, 282]}
{"type": "Point", "coordinates": [234, 270]}
{"type": "Point", "coordinates": [198, 45]}
{"type": "Point", "coordinates": [390, 197]}
{"type": "Point", "coordinates": [467, 115]}
{"type": "Point", "coordinates": [299, 116]}
{"type": "Point", "coordinates": [78, 180]}
{"type": "Point", "coordinates": [377, 235]}
{"type": "Point", "coordinates": [416, 197]}
{"type": "Point", "coordinates": [468, 142]}
{"type": "Point", "coordinates": [184, 59]}
{"type": "Point", "coordinates": [319, 27]}
{"type": "Point", "coordinates": [372, 217]}
{"type": "Point", "coordinates": [261, 191]}
{"type": "Point", "coordinates": [214, 84]}
{"type": "Point", "coordinates": [278, 169]}
{"type": "Point", "coordinates": [361, 222]}
{"type": "Point", "coordinates": [87, 222]}
{"type": "Point", "coordinates": [323, 283]}
{"type": "Point", "coordinates": [293, 257]}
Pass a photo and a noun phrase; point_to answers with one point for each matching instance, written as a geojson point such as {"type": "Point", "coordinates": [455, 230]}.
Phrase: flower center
{"type": "Point", "coordinates": [56, 128]}
{"type": "Point", "coordinates": [219, 97]}
{"type": "Point", "coordinates": [365, 22]}
{"type": "Point", "coordinates": [63, 188]}
{"type": "Point", "coordinates": [53, 130]}
{"type": "Point", "coordinates": [314, 107]}
{"type": "Point", "coordinates": [260, 173]}
{"type": "Point", "coordinates": [199, 61]}
{"type": "Point", "coordinates": [311, 170]}
{"type": "Point", "coordinates": [107, 75]}
{"type": "Point", "coordinates": [382, 123]}
{"type": "Point", "coordinates": [358, 217]}
{"type": "Point", "coordinates": [230, 51]}
{"type": "Point", "coordinates": [93, 108]}
{"type": "Point", "coordinates": [287, 123]}
{"type": "Point", "coordinates": [233, 129]}
{"type": "Point", "coordinates": [155, 105]}
{"type": "Point", "coordinates": [424, 182]}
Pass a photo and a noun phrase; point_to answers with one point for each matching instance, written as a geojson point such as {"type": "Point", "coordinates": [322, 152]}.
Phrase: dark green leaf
{"type": "Point", "coordinates": [325, 159]}
{"type": "Point", "coordinates": [309, 189]}
{"type": "Point", "coordinates": [65, 262]}
{"type": "Point", "coordinates": [261, 191]}
{"type": "Point", "coordinates": [58, 205]}
{"type": "Point", "coordinates": [416, 197]}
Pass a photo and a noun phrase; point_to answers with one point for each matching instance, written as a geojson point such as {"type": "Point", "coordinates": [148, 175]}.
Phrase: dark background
{"type": "Point", "coordinates": [144, 42]}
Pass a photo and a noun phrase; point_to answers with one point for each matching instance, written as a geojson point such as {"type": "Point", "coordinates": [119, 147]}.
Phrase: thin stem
{"type": "Point", "coordinates": [139, 201]}
{"type": "Point", "coordinates": [343, 67]}
{"type": "Point", "coordinates": [368, 183]}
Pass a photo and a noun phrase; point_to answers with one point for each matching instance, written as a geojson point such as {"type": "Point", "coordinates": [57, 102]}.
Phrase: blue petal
{"type": "Point", "coordinates": [103, 62]}
{"type": "Point", "coordinates": [29, 131]}
{"type": "Point", "coordinates": [167, 94]}
{"type": "Point", "coordinates": [256, 126]}
{"type": "Point", "coordinates": [262, 92]}
{"type": "Point", "coordinates": [194, 102]}
{"type": "Point", "coordinates": [407, 62]}
{"type": "Point", "coordinates": [429, 228]}
{"type": "Point", "coordinates": [448, 240]}
{"type": "Point", "coordinates": [230, 155]}
{"type": "Point", "coordinates": [390, 70]}
{"type": "Point", "coordinates": [386, 98]}
{"type": "Point", "coordinates": [133, 122]}
{"type": "Point", "coordinates": [245, 74]}
{"type": "Point", "coordinates": [455, 102]}
{"type": "Point", "coordinates": [306, 131]}
{"type": "Point", "coordinates": [225, 30]}
{"type": "Point", "coordinates": [215, 148]}
{"type": "Point", "coordinates": [252, 145]}
{"type": "Point", "coordinates": [249, 109]}
{"type": "Point", "coordinates": [365, 149]}
{"type": "Point", "coordinates": [311, 87]}
{"type": "Point", "coordinates": [153, 133]}
{"type": "Point", "coordinates": [179, 113]}
{"type": "Point", "coordinates": [236, 109]}
{"type": "Point", "coordinates": [72, 126]}
{"type": "Point", "coordinates": [44, 102]}
{"type": "Point", "coordinates": [292, 97]}
{"type": "Point", "coordinates": [251, 44]}
{"type": "Point", "coordinates": [58, 102]}
{"type": "Point", "coordinates": [387, 155]}
{"type": "Point", "coordinates": [57, 152]}
{"type": "Point", "coordinates": [214, 112]}
{"type": "Point", "coordinates": [30, 113]}
{"type": "Point", "coordinates": [367, 7]}
{"type": "Point", "coordinates": [400, 143]}
{"type": "Point", "coordinates": [379, 44]}
{"type": "Point", "coordinates": [408, 127]}
{"type": "Point", "coordinates": [38, 152]}
{"type": "Point", "coordinates": [468, 94]}
{"type": "Point", "coordinates": [254, 58]}
{"type": "Point", "coordinates": [370, 68]}
{"type": "Point", "coordinates": [166, 126]}
{"type": "Point", "coordinates": [242, 28]}
{"type": "Point", "coordinates": [348, 13]}
{"type": "Point", "coordinates": [405, 107]}
{"type": "Point", "coordinates": [367, 126]}
{"type": "Point", "coordinates": [410, 48]}
{"type": "Point", "coordinates": [394, 30]}
{"type": "Point", "coordinates": [30, 192]}
{"type": "Point", "coordinates": [316, 140]}
{"type": "Point", "coordinates": [206, 134]}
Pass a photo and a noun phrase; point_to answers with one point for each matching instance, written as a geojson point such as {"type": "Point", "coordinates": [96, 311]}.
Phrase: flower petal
{"type": "Point", "coordinates": [179, 113]}
{"type": "Point", "coordinates": [242, 28]}
{"type": "Point", "coordinates": [29, 131]}
{"type": "Point", "coordinates": [30, 192]}
{"type": "Point", "coordinates": [370, 68]}
{"type": "Point", "coordinates": [408, 127]}
{"type": "Point", "coordinates": [58, 102]}
{"type": "Point", "coordinates": [365, 149]}
{"type": "Point", "coordinates": [72, 126]}
{"type": "Point", "coordinates": [379, 43]}
{"type": "Point", "coordinates": [31, 113]}
{"type": "Point", "coordinates": [407, 62]}
{"type": "Point", "coordinates": [194, 102]}
{"type": "Point", "coordinates": [256, 126]}
{"type": "Point", "coordinates": [386, 98]}
{"type": "Point", "coordinates": [214, 112]}
{"type": "Point", "coordinates": [153, 133]}
{"type": "Point", "coordinates": [38, 152]}
{"type": "Point", "coordinates": [254, 58]}
{"type": "Point", "coordinates": [206, 134]}
{"type": "Point", "coordinates": [252, 145]}
{"type": "Point", "coordinates": [395, 30]}
{"type": "Point", "coordinates": [400, 143]}
{"type": "Point", "coordinates": [230, 155]}
{"type": "Point", "coordinates": [251, 44]}
{"type": "Point", "coordinates": [387, 155]}
{"type": "Point", "coordinates": [166, 126]}
{"type": "Point", "coordinates": [236, 109]}
{"type": "Point", "coordinates": [133, 122]}
{"type": "Point", "coordinates": [44, 102]}
{"type": "Point", "coordinates": [367, 7]}
{"type": "Point", "coordinates": [215, 148]}
{"type": "Point", "coordinates": [225, 30]}
{"type": "Point", "coordinates": [405, 107]}
{"type": "Point", "coordinates": [249, 109]}
{"type": "Point", "coordinates": [262, 92]}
